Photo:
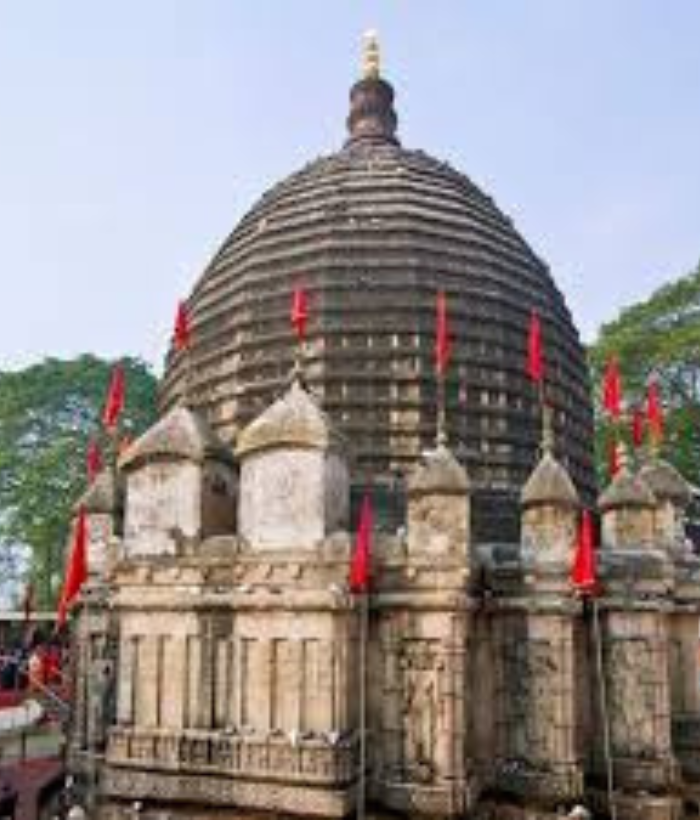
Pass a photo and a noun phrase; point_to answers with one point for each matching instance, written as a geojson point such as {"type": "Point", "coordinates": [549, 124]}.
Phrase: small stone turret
{"type": "Point", "coordinates": [672, 495]}
{"type": "Point", "coordinates": [294, 479]}
{"type": "Point", "coordinates": [550, 505]}
{"type": "Point", "coordinates": [627, 507]}
{"type": "Point", "coordinates": [103, 502]}
{"type": "Point", "coordinates": [180, 484]}
{"type": "Point", "coordinates": [438, 506]}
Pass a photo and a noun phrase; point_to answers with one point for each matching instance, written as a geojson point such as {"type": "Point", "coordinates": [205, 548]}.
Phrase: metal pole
{"type": "Point", "coordinates": [605, 715]}
{"type": "Point", "coordinates": [362, 780]}
{"type": "Point", "coordinates": [442, 413]}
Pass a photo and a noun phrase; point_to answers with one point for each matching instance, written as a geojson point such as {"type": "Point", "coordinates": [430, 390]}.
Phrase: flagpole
{"type": "Point", "coordinates": [604, 711]}
{"type": "Point", "coordinates": [441, 438]}
{"type": "Point", "coordinates": [362, 780]}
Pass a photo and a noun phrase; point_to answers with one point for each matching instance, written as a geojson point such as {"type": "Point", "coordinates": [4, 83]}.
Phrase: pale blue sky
{"type": "Point", "coordinates": [134, 134]}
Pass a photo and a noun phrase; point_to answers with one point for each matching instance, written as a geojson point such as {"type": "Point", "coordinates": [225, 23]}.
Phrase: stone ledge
{"type": "Point", "coordinates": [310, 762]}
{"type": "Point", "coordinates": [213, 790]}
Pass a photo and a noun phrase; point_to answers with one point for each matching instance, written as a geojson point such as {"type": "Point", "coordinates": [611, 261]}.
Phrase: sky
{"type": "Point", "coordinates": [134, 135]}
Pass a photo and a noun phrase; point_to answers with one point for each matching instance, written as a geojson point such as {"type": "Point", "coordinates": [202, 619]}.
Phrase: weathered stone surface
{"type": "Point", "coordinates": [438, 507]}
{"type": "Point", "coordinates": [549, 484]}
{"type": "Point", "coordinates": [294, 480]}
{"type": "Point", "coordinates": [180, 485]}
{"type": "Point", "coordinates": [241, 658]}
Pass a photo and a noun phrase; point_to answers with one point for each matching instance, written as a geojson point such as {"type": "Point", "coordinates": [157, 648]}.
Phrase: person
{"type": "Point", "coordinates": [36, 668]}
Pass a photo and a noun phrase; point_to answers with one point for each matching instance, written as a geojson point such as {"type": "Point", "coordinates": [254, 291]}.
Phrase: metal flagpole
{"type": "Point", "coordinates": [362, 780]}
{"type": "Point", "coordinates": [605, 715]}
{"type": "Point", "coordinates": [442, 413]}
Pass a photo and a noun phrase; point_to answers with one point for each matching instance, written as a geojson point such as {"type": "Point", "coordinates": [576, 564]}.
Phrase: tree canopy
{"type": "Point", "coordinates": [660, 338]}
{"type": "Point", "coordinates": [48, 414]}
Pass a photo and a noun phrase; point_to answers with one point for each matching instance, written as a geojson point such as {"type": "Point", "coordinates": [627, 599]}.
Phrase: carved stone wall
{"type": "Point", "coordinates": [536, 724]}
{"type": "Point", "coordinates": [637, 678]}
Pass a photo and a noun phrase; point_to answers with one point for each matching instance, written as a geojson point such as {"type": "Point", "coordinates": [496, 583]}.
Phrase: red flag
{"type": "Point", "coordinates": [584, 578]}
{"type": "Point", "coordinates": [443, 347]}
{"type": "Point", "coordinates": [93, 461]}
{"type": "Point", "coordinates": [182, 336]}
{"type": "Point", "coordinates": [299, 314]}
{"type": "Point", "coordinates": [637, 427]}
{"type": "Point", "coordinates": [612, 388]}
{"type": "Point", "coordinates": [115, 398]}
{"type": "Point", "coordinates": [76, 571]}
{"type": "Point", "coordinates": [655, 413]}
{"type": "Point", "coordinates": [359, 566]}
{"type": "Point", "coordinates": [535, 362]}
{"type": "Point", "coordinates": [613, 458]}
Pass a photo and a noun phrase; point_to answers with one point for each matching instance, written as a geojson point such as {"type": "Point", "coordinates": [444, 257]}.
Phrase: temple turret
{"type": "Point", "coordinates": [294, 479]}
{"type": "Point", "coordinates": [180, 485]}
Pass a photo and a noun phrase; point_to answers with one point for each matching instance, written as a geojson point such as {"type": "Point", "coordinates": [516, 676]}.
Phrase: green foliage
{"type": "Point", "coordinates": [661, 337]}
{"type": "Point", "coordinates": [48, 413]}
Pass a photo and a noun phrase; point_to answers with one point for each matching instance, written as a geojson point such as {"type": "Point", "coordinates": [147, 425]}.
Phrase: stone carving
{"type": "Point", "coordinates": [635, 698]}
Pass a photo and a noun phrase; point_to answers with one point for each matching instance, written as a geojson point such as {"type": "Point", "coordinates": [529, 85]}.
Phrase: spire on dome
{"type": "Point", "coordinates": [372, 118]}
{"type": "Point", "coordinates": [371, 56]}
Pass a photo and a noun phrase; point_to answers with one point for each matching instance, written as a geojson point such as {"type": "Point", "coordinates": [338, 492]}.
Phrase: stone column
{"type": "Point", "coordinates": [426, 614]}
{"type": "Point", "coordinates": [673, 495]}
{"type": "Point", "coordinates": [541, 676]}
{"type": "Point", "coordinates": [95, 635]}
{"type": "Point", "coordinates": [637, 576]}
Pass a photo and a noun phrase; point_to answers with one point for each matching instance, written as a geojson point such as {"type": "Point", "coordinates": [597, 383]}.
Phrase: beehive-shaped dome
{"type": "Point", "coordinates": [373, 232]}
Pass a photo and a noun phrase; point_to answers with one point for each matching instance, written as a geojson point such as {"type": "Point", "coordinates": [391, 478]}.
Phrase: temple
{"type": "Point", "coordinates": [218, 648]}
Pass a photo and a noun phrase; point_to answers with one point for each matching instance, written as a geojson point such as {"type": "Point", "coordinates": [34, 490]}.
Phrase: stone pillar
{"type": "Point", "coordinates": [673, 495]}
{"type": "Point", "coordinates": [95, 635]}
{"type": "Point", "coordinates": [637, 577]}
{"type": "Point", "coordinates": [424, 631]}
{"type": "Point", "coordinates": [539, 676]}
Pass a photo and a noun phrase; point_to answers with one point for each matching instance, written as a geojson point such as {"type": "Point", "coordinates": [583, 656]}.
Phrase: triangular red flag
{"type": "Point", "coordinates": [584, 578]}
{"type": "Point", "coordinates": [360, 562]}
{"type": "Point", "coordinates": [655, 413]}
{"type": "Point", "coordinates": [114, 403]}
{"type": "Point", "coordinates": [182, 335]}
{"type": "Point", "coordinates": [76, 570]}
{"type": "Point", "coordinates": [638, 427]}
{"type": "Point", "coordinates": [93, 461]}
{"type": "Point", "coordinates": [612, 388]}
{"type": "Point", "coordinates": [535, 361]}
{"type": "Point", "coordinates": [299, 314]}
{"type": "Point", "coordinates": [443, 347]}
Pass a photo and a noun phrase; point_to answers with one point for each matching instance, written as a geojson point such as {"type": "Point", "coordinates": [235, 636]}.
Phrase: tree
{"type": "Point", "coordinates": [660, 338]}
{"type": "Point", "coordinates": [48, 413]}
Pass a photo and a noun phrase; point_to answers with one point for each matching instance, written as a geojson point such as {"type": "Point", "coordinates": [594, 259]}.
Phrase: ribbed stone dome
{"type": "Point", "coordinates": [373, 232]}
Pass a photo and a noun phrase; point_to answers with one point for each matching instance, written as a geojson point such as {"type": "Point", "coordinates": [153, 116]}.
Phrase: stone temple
{"type": "Point", "coordinates": [218, 648]}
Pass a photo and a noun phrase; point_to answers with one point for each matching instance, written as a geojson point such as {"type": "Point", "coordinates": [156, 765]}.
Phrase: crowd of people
{"type": "Point", "coordinates": [31, 666]}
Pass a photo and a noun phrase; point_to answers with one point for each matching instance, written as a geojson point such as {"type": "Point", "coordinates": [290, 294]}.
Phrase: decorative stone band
{"type": "Point", "coordinates": [309, 762]}
{"type": "Point", "coordinates": [552, 784]}
{"type": "Point", "coordinates": [219, 790]}
{"type": "Point", "coordinates": [450, 799]}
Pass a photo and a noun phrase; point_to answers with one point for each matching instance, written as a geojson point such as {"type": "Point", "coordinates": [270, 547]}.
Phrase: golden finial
{"type": "Point", "coordinates": [371, 56]}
